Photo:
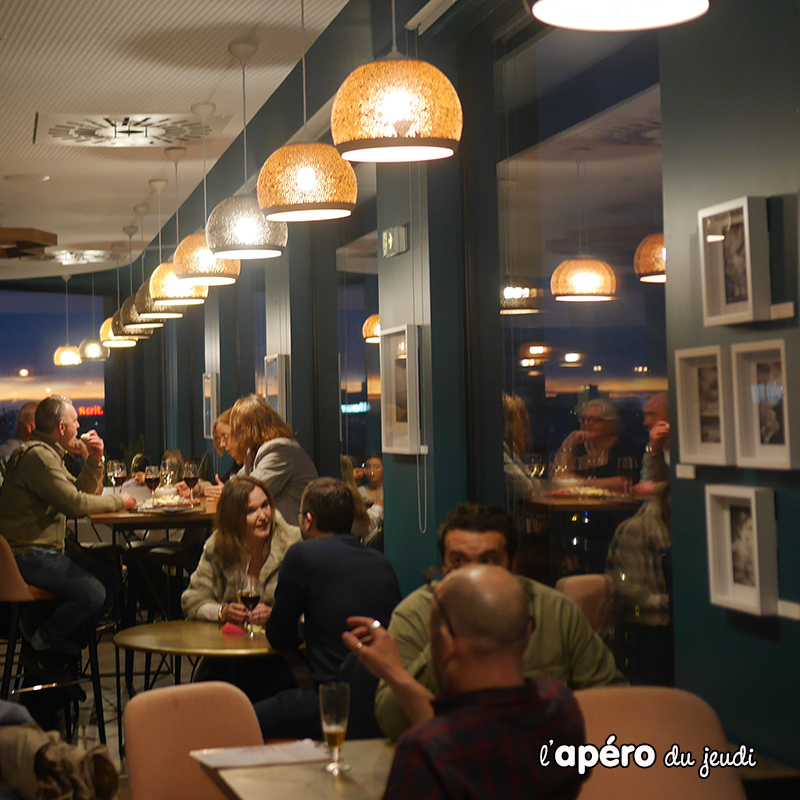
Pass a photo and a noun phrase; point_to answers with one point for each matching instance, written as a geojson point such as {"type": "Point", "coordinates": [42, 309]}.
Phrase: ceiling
{"type": "Point", "coordinates": [95, 62]}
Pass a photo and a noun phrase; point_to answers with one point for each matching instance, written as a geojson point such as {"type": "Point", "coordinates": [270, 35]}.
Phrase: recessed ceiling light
{"type": "Point", "coordinates": [27, 177]}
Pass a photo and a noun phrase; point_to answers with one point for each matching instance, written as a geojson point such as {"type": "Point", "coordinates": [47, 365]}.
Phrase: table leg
{"type": "Point", "coordinates": [119, 704]}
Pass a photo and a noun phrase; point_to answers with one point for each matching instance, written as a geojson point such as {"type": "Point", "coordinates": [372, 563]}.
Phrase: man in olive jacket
{"type": "Point", "coordinates": [37, 497]}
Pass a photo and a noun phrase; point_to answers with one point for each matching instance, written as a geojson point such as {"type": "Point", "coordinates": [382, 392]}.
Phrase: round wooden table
{"type": "Point", "coordinates": [184, 638]}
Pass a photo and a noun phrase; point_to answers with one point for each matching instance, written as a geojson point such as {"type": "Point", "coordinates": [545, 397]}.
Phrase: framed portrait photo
{"type": "Point", "coordinates": [742, 549]}
{"type": "Point", "coordinates": [705, 412]}
{"type": "Point", "coordinates": [762, 392]}
{"type": "Point", "coordinates": [734, 261]}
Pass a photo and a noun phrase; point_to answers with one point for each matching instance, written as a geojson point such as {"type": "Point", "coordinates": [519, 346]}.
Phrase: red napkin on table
{"type": "Point", "coordinates": [232, 630]}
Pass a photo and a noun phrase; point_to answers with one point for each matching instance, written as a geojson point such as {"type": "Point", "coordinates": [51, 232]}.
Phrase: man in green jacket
{"type": "Point", "coordinates": [562, 646]}
{"type": "Point", "coordinates": [37, 497]}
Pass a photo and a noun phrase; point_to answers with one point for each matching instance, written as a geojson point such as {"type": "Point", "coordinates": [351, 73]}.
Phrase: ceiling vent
{"type": "Point", "coordinates": [126, 130]}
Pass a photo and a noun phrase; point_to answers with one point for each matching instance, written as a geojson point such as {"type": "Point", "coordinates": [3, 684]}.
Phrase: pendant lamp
{"type": "Point", "coordinates": [91, 348]}
{"type": "Point", "coordinates": [67, 355]}
{"type": "Point", "coordinates": [143, 302]}
{"type": "Point", "coordinates": [237, 227]}
{"type": "Point", "coordinates": [650, 259]}
{"type": "Point", "coordinates": [371, 329]}
{"type": "Point", "coordinates": [118, 329]}
{"type": "Point", "coordinates": [517, 296]}
{"type": "Point", "coordinates": [583, 279]}
{"type": "Point", "coordinates": [307, 181]}
{"type": "Point", "coordinates": [165, 287]}
{"type": "Point", "coordinates": [129, 316]}
{"type": "Point", "coordinates": [617, 15]}
{"type": "Point", "coordinates": [109, 340]}
{"type": "Point", "coordinates": [396, 109]}
{"type": "Point", "coordinates": [193, 263]}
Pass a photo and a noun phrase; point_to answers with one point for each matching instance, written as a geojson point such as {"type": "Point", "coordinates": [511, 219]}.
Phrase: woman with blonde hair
{"type": "Point", "coordinates": [261, 441]}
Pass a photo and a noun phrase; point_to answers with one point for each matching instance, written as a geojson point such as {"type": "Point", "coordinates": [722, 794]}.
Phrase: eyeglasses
{"type": "Point", "coordinates": [223, 438]}
{"type": "Point", "coordinates": [584, 418]}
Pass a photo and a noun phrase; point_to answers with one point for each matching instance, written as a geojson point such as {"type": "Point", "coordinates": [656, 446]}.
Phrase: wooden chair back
{"type": "Point", "coordinates": [163, 725]}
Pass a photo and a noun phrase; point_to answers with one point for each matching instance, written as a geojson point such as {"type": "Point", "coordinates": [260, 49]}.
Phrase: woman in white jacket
{"type": "Point", "coordinates": [250, 538]}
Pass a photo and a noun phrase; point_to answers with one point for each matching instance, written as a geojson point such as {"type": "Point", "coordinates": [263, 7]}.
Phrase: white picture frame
{"type": "Point", "coordinates": [705, 410]}
{"type": "Point", "coordinates": [734, 261]}
{"type": "Point", "coordinates": [742, 549]}
{"type": "Point", "coordinates": [763, 391]}
{"type": "Point", "coordinates": [210, 402]}
{"type": "Point", "coordinates": [276, 384]}
{"type": "Point", "coordinates": [400, 414]}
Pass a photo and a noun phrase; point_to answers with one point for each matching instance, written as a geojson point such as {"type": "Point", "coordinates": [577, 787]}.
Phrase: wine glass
{"type": "Point", "coordinates": [152, 477]}
{"type": "Point", "coordinates": [249, 598]}
{"type": "Point", "coordinates": [117, 472]}
{"type": "Point", "coordinates": [628, 468]}
{"type": "Point", "coordinates": [334, 710]}
{"type": "Point", "coordinates": [191, 476]}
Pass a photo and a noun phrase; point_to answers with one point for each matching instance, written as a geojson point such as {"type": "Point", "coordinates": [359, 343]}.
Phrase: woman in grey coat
{"type": "Point", "coordinates": [261, 441]}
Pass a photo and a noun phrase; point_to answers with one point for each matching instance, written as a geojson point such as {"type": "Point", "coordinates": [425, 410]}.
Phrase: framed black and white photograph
{"type": "Point", "coordinates": [705, 413]}
{"type": "Point", "coordinates": [761, 391]}
{"type": "Point", "coordinates": [734, 261]}
{"type": "Point", "coordinates": [400, 412]}
{"type": "Point", "coordinates": [742, 548]}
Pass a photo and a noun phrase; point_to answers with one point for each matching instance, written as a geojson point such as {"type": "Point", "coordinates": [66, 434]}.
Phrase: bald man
{"type": "Point", "coordinates": [655, 463]}
{"type": "Point", "coordinates": [483, 737]}
{"type": "Point", "coordinates": [25, 425]}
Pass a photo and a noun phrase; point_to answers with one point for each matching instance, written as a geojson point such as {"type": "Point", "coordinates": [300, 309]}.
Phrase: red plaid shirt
{"type": "Point", "coordinates": [486, 745]}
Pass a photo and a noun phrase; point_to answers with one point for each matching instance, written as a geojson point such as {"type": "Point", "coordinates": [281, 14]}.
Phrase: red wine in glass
{"type": "Point", "coordinates": [152, 483]}
{"type": "Point", "coordinates": [118, 480]}
{"type": "Point", "coordinates": [191, 482]}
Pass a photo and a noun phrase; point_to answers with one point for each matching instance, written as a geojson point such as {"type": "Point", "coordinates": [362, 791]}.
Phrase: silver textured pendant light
{"type": "Point", "coordinates": [237, 227]}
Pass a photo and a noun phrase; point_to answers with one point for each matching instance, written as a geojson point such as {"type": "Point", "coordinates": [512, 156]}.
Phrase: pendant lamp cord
{"type": "Point", "coordinates": [93, 301]}
{"type": "Point", "coordinates": [205, 190]}
{"type": "Point", "coordinates": [141, 236]}
{"type": "Point", "coordinates": [305, 99]}
{"type": "Point", "coordinates": [130, 258]}
{"type": "Point", "coordinates": [394, 29]}
{"type": "Point", "coordinates": [159, 234]}
{"type": "Point", "coordinates": [66, 289]}
{"type": "Point", "coordinates": [244, 120]}
{"type": "Point", "coordinates": [177, 208]}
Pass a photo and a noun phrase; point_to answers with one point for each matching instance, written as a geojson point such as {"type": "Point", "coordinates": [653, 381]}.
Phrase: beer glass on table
{"type": "Point", "coordinates": [334, 710]}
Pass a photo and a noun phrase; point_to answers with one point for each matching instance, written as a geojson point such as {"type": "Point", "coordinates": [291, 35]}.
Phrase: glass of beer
{"type": "Point", "coordinates": [334, 710]}
{"type": "Point", "coordinates": [249, 598]}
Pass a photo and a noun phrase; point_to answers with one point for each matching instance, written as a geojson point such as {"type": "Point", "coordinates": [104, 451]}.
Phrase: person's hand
{"type": "Point", "coordinates": [576, 438]}
{"type": "Point", "coordinates": [359, 473]}
{"type": "Point", "coordinates": [94, 446]}
{"type": "Point", "coordinates": [138, 477]}
{"type": "Point", "coordinates": [214, 491]}
{"type": "Point", "coordinates": [659, 435]}
{"type": "Point", "coordinates": [374, 646]}
{"type": "Point", "coordinates": [260, 614]}
{"type": "Point", "coordinates": [78, 448]}
{"type": "Point", "coordinates": [182, 489]}
{"type": "Point", "coordinates": [643, 489]}
{"type": "Point", "coordinates": [130, 503]}
{"type": "Point", "coordinates": [235, 613]}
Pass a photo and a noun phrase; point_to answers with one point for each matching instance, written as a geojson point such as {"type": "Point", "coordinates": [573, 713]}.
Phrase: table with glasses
{"type": "Point", "coordinates": [370, 761]}
{"type": "Point", "coordinates": [180, 638]}
{"type": "Point", "coordinates": [577, 529]}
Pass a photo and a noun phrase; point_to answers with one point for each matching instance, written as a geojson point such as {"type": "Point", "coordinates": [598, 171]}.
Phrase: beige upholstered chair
{"type": "Point", "coordinates": [163, 725]}
{"type": "Point", "coordinates": [593, 594]}
{"type": "Point", "coordinates": [660, 717]}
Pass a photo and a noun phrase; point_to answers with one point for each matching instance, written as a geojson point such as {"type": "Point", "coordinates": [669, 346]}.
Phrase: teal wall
{"type": "Point", "coordinates": [730, 91]}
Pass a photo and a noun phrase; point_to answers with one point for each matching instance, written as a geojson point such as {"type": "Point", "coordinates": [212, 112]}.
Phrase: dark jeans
{"type": "Point", "coordinates": [291, 714]}
{"type": "Point", "coordinates": [71, 577]}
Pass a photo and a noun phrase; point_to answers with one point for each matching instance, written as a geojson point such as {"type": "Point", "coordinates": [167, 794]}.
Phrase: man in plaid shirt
{"type": "Point", "coordinates": [486, 738]}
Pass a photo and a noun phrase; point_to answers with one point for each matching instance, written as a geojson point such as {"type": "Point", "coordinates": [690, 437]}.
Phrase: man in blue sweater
{"type": "Point", "coordinates": [325, 579]}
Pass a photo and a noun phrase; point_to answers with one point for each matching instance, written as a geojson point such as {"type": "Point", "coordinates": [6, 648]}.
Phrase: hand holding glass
{"type": "Point", "coordinates": [334, 710]}
{"type": "Point", "coordinates": [249, 598]}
